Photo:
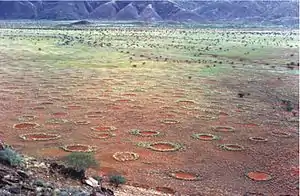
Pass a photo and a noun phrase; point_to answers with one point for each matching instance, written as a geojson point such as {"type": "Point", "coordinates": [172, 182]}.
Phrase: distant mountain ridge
{"type": "Point", "coordinates": [277, 12]}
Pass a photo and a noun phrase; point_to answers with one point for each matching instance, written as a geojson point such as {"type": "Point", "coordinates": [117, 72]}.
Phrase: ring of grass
{"type": "Point", "coordinates": [133, 156]}
{"type": "Point", "coordinates": [173, 175]}
{"type": "Point", "coordinates": [198, 136]}
{"type": "Point", "coordinates": [170, 121]}
{"type": "Point", "coordinates": [82, 122]}
{"type": "Point", "coordinates": [206, 117]}
{"type": "Point", "coordinates": [26, 118]}
{"type": "Point", "coordinates": [230, 147]}
{"type": "Point", "coordinates": [258, 139]}
{"type": "Point", "coordinates": [56, 121]}
{"type": "Point", "coordinates": [105, 135]}
{"type": "Point", "coordinates": [54, 136]}
{"type": "Point", "coordinates": [175, 146]}
{"type": "Point", "coordinates": [218, 128]}
{"type": "Point", "coordinates": [89, 148]}
{"type": "Point", "coordinates": [140, 133]}
{"type": "Point", "coordinates": [106, 128]}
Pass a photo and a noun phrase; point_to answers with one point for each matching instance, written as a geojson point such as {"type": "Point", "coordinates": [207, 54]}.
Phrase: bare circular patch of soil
{"type": "Point", "coordinates": [182, 175]}
{"type": "Point", "coordinates": [125, 156]}
{"type": "Point", "coordinates": [39, 136]}
{"type": "Point", "coordinates": [78, 148]}
{"type": "Point", "coordinates": [232, 147]}
{"type": "Point", "coordinates": [60, 114]}
{"type": "Point", "coordinates": [27, 118]}
{"type": "Point", "coordinates": [164, 146]}
{"type": "Point", "coordinates": [223, 129]}
{"type": "Point", "coordinates": [26, 125]}
{"type": "Point", "coordinates": [280, 134]}
{"type": "Point", "coordinates": [258, 176]}
{"type": "Point", "coordinates": [103, 128]}
{"type": "Point", "coordinates": [144, 133]}
{"type": "Point", "coordinates": [258, 139]}
{"type": "Point", "coordinates": [102, 135]}
{"type": "Point", "coordinates": [205, 136]}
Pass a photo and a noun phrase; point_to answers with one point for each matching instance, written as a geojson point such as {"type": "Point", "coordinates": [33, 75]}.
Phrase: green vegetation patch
{"type": "Point", "coordinates": [11, 157]}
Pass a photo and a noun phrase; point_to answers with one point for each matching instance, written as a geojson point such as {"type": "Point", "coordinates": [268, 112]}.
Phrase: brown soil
{"type": "Point", "coordinates": [102, 128]}
{"type": "Point", "coordinates": [259, 176]}
{"type": "Point", "coordinates": [25, 125]}
{"type": "Point", "coordinates": [185, 176]}
{"type": "Point", "coordinates": [223, 170]}
{"type": "Point", "coordinates": [101, 135]}
{"type": "Point", "coordinates": [165, 190]}
{"type": "Point", "coordinates": [206, 137]}
{"type": "Point", "coordinates": [148, 133]}
{"type": "Point", "coordinates": [74, 107]}
{"type": "Point", "coordinates": [59, 114]}
{"type": "Point", "coordinates": [161, 146]}
{"type": "Point", "coordinates": [77, 148]}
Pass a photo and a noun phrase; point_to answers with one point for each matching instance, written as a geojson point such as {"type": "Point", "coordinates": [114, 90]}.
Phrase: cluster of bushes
{"type": "Point", "coordinates": [82, 161]}
{"type": "Point", "coordinates": [77, 160]}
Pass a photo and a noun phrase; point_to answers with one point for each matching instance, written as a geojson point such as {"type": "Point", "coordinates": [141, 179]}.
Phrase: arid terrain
{"type": "Point", "coordinates": [196, 111]}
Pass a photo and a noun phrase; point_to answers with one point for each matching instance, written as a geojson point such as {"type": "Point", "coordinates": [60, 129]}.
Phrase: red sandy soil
{"type": "Point", "coordinates": [184, 175]}
{"type": "Point", "coordinates": [25, 125]}
{"type": "Point", "coordinates": [39, 136]}
{"type": "Point", "coordinates": [220, 171]}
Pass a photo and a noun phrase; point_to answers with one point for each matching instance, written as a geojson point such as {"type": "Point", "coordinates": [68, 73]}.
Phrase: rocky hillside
{"type": "Point", "coordinates": [277, 12]}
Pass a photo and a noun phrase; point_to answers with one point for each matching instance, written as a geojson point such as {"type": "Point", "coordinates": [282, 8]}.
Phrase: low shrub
{"type": "Point", "coordinates": [8, 155]}
{"type": "Point", "coordinates": [117, 180]}
{"type": "Point", "coordinates": [80, 160]}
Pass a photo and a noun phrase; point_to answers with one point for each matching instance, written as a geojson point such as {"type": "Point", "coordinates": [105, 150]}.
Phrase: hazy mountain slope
{"type": "Point", "coordinates": [17, 9]}
{"type": "Point", "coordinates": [129, 12]}
{"type": "Point", "coordinates": [105, 11]}
{"type": "Point", "coordinates": [149, 14]}
{"type": "Point", "coordinates": [278, 12]}
{"type": "Point", "coordinates": [63, 10]}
